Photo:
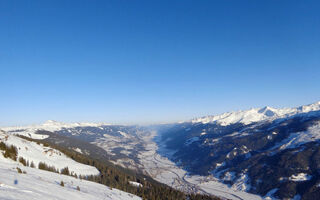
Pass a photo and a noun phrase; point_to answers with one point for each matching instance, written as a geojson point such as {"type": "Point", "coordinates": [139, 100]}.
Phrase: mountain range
{"type": "Point", "coordinates": [260, 153]}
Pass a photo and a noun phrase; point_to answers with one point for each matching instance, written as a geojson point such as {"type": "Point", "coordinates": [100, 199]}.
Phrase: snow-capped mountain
{"type": "Point", "coordinates": [271, 152]}
{"type": "Point", "coordinates": [256, 115]}
{"type": "Point", "coordinates": [50, 125]}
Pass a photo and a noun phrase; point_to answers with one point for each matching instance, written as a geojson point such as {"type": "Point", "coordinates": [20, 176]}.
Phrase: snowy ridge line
{"type": "Point", "coordinates": [52, 125]}
{"type": "Point", "coordinates": [256, 114]}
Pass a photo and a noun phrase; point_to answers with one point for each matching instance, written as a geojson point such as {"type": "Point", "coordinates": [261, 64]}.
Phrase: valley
{"type": "Point", "coordinates": [262, 153]}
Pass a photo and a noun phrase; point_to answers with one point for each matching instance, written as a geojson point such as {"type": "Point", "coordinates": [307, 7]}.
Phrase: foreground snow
{"type": "Point", "coordinates": [38, 185]}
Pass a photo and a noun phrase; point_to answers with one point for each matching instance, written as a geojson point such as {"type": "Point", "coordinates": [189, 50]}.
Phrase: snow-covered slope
{"type": "Point", "coordinates": [36, 153]}
{"type": "Point", "coordinates": [296, 139]}
{"type": "Point", "coordinates": [39, 184]}
{"type": "Point", "coordinates": [36, 184]}
{"type": "Point", "coordinates": [256, 115]}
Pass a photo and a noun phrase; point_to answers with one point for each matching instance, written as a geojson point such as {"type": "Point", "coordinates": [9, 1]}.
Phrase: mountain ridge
{"type": "Point", "coordinates": [255, 114]}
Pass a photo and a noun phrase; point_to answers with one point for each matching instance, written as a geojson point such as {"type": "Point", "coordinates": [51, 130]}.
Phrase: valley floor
{"type": "Point", "coordinates": [165, 171]}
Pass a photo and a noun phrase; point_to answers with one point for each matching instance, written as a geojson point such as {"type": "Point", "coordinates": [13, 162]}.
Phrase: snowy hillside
{"type": "Point", "coordinates": [36, 184]}
{"type": "Point", "coordinates": [256, 115]}
{"type": "Point", "coordinates": [36, 153]}
{"type": "Point", "coordinates": [39, 184]}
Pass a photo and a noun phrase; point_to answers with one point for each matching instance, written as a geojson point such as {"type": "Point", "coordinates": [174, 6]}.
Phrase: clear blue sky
{"type": "Point", "coordinates": [154, 61]}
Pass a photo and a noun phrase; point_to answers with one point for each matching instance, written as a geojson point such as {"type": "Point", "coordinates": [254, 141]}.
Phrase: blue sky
{"type": "Point", "coordinates": [154, 61]}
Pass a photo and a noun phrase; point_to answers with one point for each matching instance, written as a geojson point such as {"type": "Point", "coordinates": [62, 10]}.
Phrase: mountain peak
{"type": "Point", "coordinates": [311, 107]}
{"type": "Point", "coordinates": [51, 122]}
{"type": "Point", "coordinates": [268, 111]}
{"type": "Point", "coordinates": [256, 114]}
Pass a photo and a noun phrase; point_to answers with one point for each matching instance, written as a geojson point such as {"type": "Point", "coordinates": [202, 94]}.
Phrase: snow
{"type": "Point", "coordinates": [229, 176]}
{"type": "Point", "coordinates": [299, 138]}
{"type": "Point", "coordinates": [218, 165]}
{"type": "Point", "coordinates": [36, 153]}
{"type": "Point", "coordinates": [256, 115]}
{"type": "Point", "coordinates": [125, 152]}
{"type": "Point", "coordinates": [231, 152]}
{"type": "Point", "coordinates": [50, 125]}
{"type": "Point", "coordinates": [165, 171]}
{"type": "Point", "coordinates": [300, 177]}
{"type": "Point", "coordinates": [39, 184]}
{"type": "Point", "coordinates": [78, 150]}
{"type": "Point", "coordinates": [123, 134]}
{"type": "Point", "coordinates": [213, 186]}
{"type": "Point", "coordinates": [135, 184]}
{"type": "Point", "coordinates": [242, 151]}
{"type": "Point", "coordinates": [26, 132]}
{"type": "Point", "coordinates": [241, 183]}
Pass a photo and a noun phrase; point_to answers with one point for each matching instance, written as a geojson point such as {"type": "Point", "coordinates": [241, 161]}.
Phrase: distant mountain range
{"type": "Point", "coordinates": [274, 153]}
{"type": "Point", "coordinates": [256, 115]}
{"type": "Point", "coordinates": [271, 152]}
